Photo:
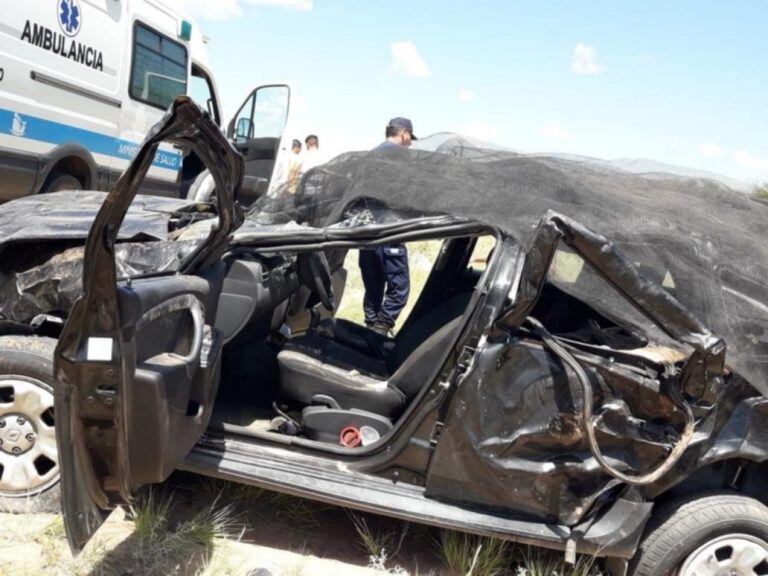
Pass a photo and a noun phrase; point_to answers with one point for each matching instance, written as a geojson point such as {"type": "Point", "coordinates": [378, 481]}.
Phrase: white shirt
{"type": "Point", "coordinates": [312, 158]}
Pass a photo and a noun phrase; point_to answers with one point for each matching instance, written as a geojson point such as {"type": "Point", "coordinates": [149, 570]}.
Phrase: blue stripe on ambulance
{"type": "Point", "coordinates": [34, 128]}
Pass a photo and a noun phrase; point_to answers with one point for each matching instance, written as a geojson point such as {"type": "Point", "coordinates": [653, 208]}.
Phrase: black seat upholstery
{"type": "Point", "coordinates": [355, 336]}
{"type": "Point", "coordinates": [314, 365]}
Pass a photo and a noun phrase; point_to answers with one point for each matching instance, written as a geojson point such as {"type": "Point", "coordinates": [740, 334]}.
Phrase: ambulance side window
{"type": "Point", "coordinates": [158, 69]}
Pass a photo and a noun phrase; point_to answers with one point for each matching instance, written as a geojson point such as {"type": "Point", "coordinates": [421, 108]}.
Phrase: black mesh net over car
{"type": "Point", "coordinates": [702, 240]}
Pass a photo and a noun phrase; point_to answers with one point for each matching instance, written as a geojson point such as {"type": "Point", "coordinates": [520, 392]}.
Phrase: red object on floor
{"type": "Point", "coordinates": [350, 437]}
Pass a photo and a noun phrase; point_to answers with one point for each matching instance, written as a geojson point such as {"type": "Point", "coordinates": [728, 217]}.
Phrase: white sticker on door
{"type": "Point", "coordinates": [99, 349]}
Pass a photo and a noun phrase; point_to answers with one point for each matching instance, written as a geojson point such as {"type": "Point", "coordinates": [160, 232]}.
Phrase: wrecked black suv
{"type": "Point", "coordinates": [597, 386]}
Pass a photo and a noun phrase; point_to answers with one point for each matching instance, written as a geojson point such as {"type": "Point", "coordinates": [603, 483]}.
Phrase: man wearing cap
{"type": "Point", "coordinates": [384, 269]}
{"type": "Point", "coordinates": [399, 132]}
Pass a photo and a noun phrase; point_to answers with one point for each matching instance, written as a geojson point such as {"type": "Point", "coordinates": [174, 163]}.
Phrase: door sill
{"type": "Point", "coordinates": [616, 532]}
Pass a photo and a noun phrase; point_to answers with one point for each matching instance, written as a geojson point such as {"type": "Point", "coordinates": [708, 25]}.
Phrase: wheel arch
{"type": "Point", "coordinates": [737, 473]}
{"type": "Point", "coordinates": [71, 159]}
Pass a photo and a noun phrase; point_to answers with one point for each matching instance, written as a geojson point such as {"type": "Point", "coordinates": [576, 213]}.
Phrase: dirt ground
{"type": "Point", "coordinates": [243, 531]}
{"type": "Point", "coordinates": [194, 526]}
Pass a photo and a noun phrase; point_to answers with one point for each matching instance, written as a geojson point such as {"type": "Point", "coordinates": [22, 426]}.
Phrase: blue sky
{"type": "Point", "coordinates": [677, 81]}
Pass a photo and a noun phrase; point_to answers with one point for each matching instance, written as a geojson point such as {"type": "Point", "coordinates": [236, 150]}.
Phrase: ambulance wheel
{"type": "Point", "coordinates": [58, 181]}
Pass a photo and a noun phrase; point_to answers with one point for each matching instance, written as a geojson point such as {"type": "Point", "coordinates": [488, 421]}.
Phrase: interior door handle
{"type": "Point", "coordinates": [182, 302]}
{"type": "Point", "coordinates": [198, 323]}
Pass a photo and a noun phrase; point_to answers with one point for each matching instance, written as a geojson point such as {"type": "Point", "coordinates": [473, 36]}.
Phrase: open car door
{"type": "Point", "coordinates": [257, 131]}
{"type": "Point", "coordinates": [137, 365]}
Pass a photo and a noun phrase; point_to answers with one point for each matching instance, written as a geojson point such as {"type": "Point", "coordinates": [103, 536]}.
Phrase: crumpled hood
{"type": "Point", "coordinates": [68, 215]}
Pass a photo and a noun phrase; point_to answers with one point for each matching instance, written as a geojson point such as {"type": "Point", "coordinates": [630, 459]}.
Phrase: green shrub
{"type": "Point", "coordinates": [761, 191]}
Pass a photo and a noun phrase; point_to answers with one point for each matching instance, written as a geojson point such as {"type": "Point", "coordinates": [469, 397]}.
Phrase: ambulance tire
{"type": "Point", "coordinates": [59, 181]}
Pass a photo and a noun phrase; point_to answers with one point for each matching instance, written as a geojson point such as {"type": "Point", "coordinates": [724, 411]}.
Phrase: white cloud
{"type": "Point", "coordinates": [710, 150]}
{"type": "Point", "coordinates": [298, 102]}
{"type": "Point", "coordinates": [479, 130]}
{"type": "Point", "coordinates": [556, 131]}
{"type": "Point", "coordinates": [747, 160]}
{"type": "Point", "coordinates": [466, 95]}
{"type": "Point", "coordinates": [225, 9]}
{"type": "Point", "coordinates": [302, 5]}
{"type": "Point", "coordinates": [406, 60]}
{"type": "Point", "coordinates": [584, 60]}
{"type": "Point", "coordinates": [645, 58]}
{"type": "Point", "coordinates": [219, 10]}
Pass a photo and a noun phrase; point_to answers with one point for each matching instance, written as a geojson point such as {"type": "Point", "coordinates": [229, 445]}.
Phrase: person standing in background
{"type": "Point", "coordinates": [312, 155]}
{"type": "Point", "coordinates": [399, 132]}
{"type": "Point", "coordinates": [384, 269]}
{"type": "Point", "coordinates": [293, 167]}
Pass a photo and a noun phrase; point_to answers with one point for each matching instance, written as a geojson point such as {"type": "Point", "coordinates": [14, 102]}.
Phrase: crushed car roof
{"type": "Point", "coordinates": [700, 239]}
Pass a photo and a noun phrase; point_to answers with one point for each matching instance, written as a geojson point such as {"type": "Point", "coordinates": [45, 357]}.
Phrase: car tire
{"type": "Point", "coordinates": [705, 534]}
{"type": "Point", "coordinates": [26, 389]}
{"type": "Point", "coordinates": [60, 181]}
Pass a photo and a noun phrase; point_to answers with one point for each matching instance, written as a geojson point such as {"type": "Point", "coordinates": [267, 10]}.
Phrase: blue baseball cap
{"type": "Point", "coordinates": [403, 123]}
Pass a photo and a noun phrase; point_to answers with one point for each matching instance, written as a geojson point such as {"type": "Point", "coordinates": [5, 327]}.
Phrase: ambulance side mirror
{"type": "Point", "coordinates": [244, 129]}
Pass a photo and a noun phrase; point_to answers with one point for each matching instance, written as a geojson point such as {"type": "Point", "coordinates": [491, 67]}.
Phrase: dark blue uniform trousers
{"type": "Point", "coordinates": [387, 282]}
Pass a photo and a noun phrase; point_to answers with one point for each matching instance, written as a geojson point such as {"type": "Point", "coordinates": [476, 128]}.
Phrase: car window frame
{"type": "Point", "coordinates": [134, 36]}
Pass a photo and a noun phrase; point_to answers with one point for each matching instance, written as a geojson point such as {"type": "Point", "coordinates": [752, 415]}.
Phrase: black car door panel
{"type": "Point", "coordinates": [173, 350]}
{"type": "Point", "coordinates": [137, 363]}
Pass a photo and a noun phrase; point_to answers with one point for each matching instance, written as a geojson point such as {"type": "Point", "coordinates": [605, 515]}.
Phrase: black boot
{"type": "Point", "coordinates": [382, 328]}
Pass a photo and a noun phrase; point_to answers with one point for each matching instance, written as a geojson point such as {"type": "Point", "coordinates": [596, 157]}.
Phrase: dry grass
{"type": "Point", "coordinates": [213, 528]}
{"type": "Point", "coordinates": [760, 191]}
{"type": "Point", "coordinates": [379, 541]}
{"type": "Point", "coordinates": [264, 505]}
{"type": "Point", "coordinates": [473, 555]}
{"type": "Point", "coordinates": [470, 555]}
{"type": "Point", "coordinates": [541, 562]}
{"type": "Point", "coordinates": [163, 533]}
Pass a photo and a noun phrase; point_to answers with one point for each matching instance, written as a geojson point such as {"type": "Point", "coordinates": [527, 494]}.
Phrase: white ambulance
{"type": "Point", "coordinates": [81, 82]}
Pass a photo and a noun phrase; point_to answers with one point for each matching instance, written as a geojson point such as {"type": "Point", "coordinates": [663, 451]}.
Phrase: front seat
{"type": "Point", "coordinates": [313, 365]}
